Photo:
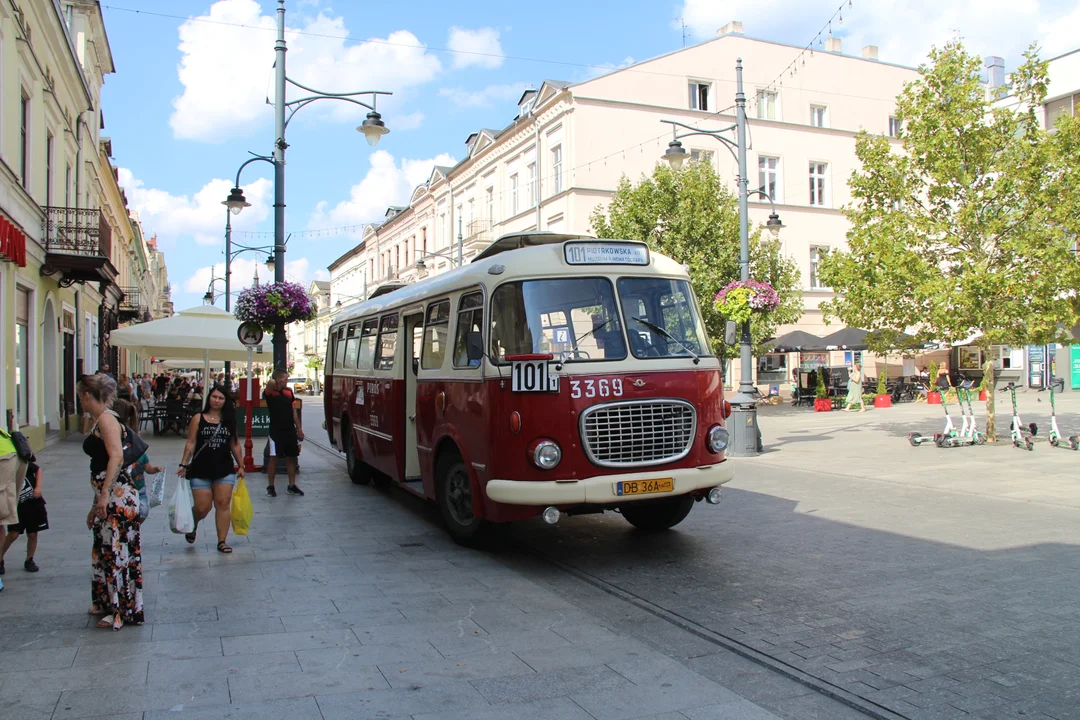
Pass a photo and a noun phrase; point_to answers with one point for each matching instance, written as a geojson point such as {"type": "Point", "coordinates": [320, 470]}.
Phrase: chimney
{"type": "Point", "coordinates": [833, 45]}
{"type": "Point", "coordinates": [870, 52]}
{"type": "Point", "coordinates": [732, 28]}
{"type": "Point", "coordinates": [995, 71]}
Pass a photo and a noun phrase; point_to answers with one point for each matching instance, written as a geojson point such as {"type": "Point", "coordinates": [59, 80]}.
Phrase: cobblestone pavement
{"type": "Point", "coordinates": [347, 603]}
{"type": "Point", "coordinates": [934, 583]}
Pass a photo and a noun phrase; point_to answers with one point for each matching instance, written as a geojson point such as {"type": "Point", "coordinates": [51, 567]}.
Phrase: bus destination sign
{"type": "Point", "coordinates": [606, 253]}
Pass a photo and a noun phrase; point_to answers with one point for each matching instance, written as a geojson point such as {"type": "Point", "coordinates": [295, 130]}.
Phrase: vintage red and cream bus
{"type": "Point", "coordinates": [552, 374]}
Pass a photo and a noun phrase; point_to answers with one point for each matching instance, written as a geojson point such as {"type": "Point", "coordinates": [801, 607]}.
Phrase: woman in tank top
{"type": "Point", "coordinates": [212, 446]}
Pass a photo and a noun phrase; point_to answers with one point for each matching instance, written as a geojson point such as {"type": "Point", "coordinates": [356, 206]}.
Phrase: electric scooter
{"type": "Point", "coordinates": [1055, 433]}
{"type": "Point", "coordinates": [1019, 439]}
{"type": "Point", "coordinates": [969, 430]}
{"type": "Point", "coordinates": [949, 431]}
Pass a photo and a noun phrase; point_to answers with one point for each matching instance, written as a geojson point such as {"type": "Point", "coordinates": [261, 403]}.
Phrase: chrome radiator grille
{"type": "Point", "coordinates": [649, 432]}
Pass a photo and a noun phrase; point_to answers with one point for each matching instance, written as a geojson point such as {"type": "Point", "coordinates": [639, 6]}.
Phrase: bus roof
{"type": "Point", "coordinates": [520, 256]}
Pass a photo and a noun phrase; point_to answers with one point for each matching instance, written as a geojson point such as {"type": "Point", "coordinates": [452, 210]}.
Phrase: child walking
{"type": "Point", "coordinates": [32, 517]}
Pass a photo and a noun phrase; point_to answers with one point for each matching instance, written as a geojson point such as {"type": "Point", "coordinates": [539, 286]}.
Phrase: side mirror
{"type": "Point", "coordinates": [415, 366]}
{"type": "Point", "coordinates": [730, 333]}
{"type": "Point", "coordinates": [474, 346]}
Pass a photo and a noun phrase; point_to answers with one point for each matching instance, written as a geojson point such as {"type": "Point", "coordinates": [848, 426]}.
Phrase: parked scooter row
{"type": "Point", "coordinates": [969, 433]}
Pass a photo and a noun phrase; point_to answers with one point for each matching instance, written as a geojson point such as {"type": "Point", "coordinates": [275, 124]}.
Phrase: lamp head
{"type": "Point", "coordinates": [208, 298]}
{"type": "Point", "coordinates": [338, 304]}
{"type": "Point", "coordinates": [271, 265]}
{"type": "Point", "coordinates": [421, 265]}
{"type": "Point", "coordinates": [373, 128]}
{"type": "Point", "coordinates": [675, 155]}
{"type": "Point", "coordinates": [236, 201]}
{"type": "Point", "coordinates": [774, 225]}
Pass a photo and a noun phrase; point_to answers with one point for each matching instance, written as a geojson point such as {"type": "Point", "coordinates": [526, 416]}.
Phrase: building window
{"type": "Point", "coordinates": [817, 116]}
{"type": "Point", "coordinates": [699, 96]}
{"type": "Point", "coordinates": [491, 205]}
{"type": "Point", "coordinates": [48, 168]}
{"type": "Point", "coordinates": [818, 171]}
{"type": "Point", "coordinates": [704, 156]}
{"type": "Point", "coordinates": [766, 104]}
{"type": "Point", "coordinates": [445, 238]}
{"type": "Point", "coordinates": [471, 216]}
{"type": "Point", "coordinates": [815, 268]}
{"type": "Point", "coordinates": [532, 184]}
{"type": "Point", "coordinates": [894, 126]}
{"type": "Point", "coordinates": [24, 141]}
{"type": "Point", "coordinates": [769, 176]}
{"type": "Point", "coordinates": [513, 194]}
{"type": "Point", "coordinates": [556, 169]}
{"type": "Point", "coordinates": [22, 356]}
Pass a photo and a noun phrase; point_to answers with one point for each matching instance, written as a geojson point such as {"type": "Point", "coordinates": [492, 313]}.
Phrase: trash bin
{"type": "Point", "coordinates": [744, 434]}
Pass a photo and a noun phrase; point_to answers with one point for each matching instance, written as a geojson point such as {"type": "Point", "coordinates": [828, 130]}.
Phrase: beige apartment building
{"type": "Point", "coordinates": [568, 145]}
{"type": "Point", "coordinates": [73, 263]}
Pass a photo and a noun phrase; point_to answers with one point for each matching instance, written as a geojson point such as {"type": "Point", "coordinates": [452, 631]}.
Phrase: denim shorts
{"type": "Point", "coordinates": [200, 484]}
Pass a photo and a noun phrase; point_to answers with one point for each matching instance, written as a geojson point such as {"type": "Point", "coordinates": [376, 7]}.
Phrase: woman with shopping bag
{"type": "Point", "coordinates": [212, 446]}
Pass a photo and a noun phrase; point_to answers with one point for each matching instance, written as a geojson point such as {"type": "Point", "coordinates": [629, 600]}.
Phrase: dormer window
{"type": "Point", "coordinates": [699, 95]}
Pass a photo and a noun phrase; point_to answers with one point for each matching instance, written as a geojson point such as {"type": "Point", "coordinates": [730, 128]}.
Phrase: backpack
{"type": "Point", "coordinates": [22, 445]}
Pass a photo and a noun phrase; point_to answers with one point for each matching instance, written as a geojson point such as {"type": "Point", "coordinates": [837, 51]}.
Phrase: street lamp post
{"type": "Point", "coordinates": [372, 127]}
{"type": "Point", "coordinates": [745, 435]}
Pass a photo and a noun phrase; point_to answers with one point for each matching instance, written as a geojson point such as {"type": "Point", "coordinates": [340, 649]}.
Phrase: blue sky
{"type": "Point", "coordinates": [186, 103]}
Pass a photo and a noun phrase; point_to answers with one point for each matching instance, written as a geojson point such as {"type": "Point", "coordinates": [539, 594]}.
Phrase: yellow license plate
{"type": "Point", "coordinates": [644, 487]}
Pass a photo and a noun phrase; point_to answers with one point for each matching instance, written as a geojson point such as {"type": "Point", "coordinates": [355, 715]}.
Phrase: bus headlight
{"type": "Point", "coordinates": [717, 439]}
{"type": "Point", "coordinates": [546, 454]}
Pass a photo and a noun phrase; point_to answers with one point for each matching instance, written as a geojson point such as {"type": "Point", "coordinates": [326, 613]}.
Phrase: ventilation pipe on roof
{"type": "Point", "coordinates": [870, 52]}
{"type": "Point", "coordinates": [833, 45]}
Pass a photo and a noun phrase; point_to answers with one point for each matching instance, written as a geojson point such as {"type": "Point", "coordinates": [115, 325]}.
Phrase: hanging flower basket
{"type": "Point", "coordinates": [739, 300]}
{"type": "Point", "coordinates": [267, 305]}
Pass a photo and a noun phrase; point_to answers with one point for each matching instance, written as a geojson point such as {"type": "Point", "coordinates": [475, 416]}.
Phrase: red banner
{"type": "Point", "coordinates": [12, 243]}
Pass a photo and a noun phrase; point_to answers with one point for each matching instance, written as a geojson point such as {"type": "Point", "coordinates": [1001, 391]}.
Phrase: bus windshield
{"type": "Point", "coordinates": [574, 319]}
{"type": "Point", "coordinates": [661, 318]}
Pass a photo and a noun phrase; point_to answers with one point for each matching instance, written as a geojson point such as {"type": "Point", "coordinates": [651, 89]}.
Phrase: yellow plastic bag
{"type": "Point", "coordinates": [242, 511]}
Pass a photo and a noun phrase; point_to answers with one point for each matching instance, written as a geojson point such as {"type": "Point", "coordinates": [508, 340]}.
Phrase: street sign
{"type": "Point", "coordinates": [250, 334]}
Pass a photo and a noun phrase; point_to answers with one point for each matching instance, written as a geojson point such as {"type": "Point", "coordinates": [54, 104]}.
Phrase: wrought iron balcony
{"type": "Point", "coordinates": [131, 306]}
{"type": "Point", "coordinates": [78, 246]}
{"type": "Point", "coordinates": [478, 230]}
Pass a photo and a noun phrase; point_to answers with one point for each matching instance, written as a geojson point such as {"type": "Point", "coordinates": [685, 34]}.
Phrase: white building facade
{"type": "Point", "coordinates": [568, 146]}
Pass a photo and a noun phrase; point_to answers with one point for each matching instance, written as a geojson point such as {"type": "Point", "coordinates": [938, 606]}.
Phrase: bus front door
{"type": "Point", "coordinates": [414, 335]}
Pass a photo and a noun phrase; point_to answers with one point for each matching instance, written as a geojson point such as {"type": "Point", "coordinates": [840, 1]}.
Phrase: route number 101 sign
{"type": "Point", "coordinates": [532, 376]}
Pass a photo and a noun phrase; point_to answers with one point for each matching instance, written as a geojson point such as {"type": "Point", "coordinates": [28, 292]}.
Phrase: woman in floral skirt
{"type": "Point", "coordinates": [116, 558]}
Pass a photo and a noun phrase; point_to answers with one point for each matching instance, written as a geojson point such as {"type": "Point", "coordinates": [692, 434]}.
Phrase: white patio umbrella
{"type": "Point", "coordinates": [204, 332]}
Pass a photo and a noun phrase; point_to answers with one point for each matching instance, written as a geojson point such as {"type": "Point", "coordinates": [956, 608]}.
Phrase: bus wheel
{"type": "Point", "coordinates": [358, 472]}
{"type": "Point", "coordinates": [657, 515]}
{"type": "Point", "coordinates": [455, 500]}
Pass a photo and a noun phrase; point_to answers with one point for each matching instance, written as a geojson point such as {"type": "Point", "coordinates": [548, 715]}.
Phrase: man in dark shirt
{"type": "Point", "coordinates": [285, 431]}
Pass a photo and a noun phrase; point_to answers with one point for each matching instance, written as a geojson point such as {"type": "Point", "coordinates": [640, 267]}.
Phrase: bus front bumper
{"type": "Point", "coordinates": [602, 490]}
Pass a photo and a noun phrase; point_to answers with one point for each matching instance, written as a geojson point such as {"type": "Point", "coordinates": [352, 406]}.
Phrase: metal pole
{"type": "Point", "coordinates": [744, 430]}
{"type": "Point", "coordinates": [249, 462]}
{"type": "Point", "coordinates": [228, 278]}
{"type": "Point", "coordinates": [280, 339]}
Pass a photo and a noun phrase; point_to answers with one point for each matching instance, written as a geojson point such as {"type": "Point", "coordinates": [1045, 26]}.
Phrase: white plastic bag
{"type": "Point", "coordinates": [181, 519]}
{"type": "Point", "coordinates": [156, 493]}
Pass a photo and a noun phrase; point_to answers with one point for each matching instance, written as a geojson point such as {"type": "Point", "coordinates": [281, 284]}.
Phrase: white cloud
{"type": "Point", "coordinates": [604, 68]}
{"type": "Point", "coordinates": [480, 47]}
{"type": "Point", "coordinates": [243, 274]}
{"type": "Point", "coordinates": [200, 216]}
{"type": "Point", "coordinates": [227, 71]}
{"type": "Point", "coordinates": [903, 30]}
{"type": "Point", "coordinates": [462, 98]}
{"type": "Point", "coordinates": [386, 183]}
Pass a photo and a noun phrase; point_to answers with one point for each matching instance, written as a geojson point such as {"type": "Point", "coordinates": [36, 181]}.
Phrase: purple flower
{"type": "Point", "coordinates": [267, 304]}
{"type": "Point", "coordinates": [762, 296]}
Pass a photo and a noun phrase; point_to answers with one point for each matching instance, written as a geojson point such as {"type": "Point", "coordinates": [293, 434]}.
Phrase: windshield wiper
{"type": "Point", "coordinates": [656, 328]}
{"type": "Point", "coordinates": [568, 355]}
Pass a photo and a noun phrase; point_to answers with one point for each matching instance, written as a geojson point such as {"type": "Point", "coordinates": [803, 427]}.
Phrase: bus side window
{"type": "Point", "coordinates": [417, 344]}
{"type": "Point", "coordinates": [470, 321]}
{"type": "Point", "coordinates": [388, 328]}
{"type": "Point", "coordinates": [339, 349]}
{"type": "Point", "coordinates": [436, 330]}
{"type": "Point", "coordinates": [352, 344]}
{"type": "Point", "coordinates": [366, 361]}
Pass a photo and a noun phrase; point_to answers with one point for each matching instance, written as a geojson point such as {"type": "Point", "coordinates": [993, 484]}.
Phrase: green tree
{"type": "Point", "coordinates": [968, 228]}
{"type": "Point", "coordinates": [692, 218]}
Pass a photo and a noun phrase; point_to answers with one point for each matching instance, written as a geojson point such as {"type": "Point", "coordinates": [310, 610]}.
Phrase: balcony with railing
{"type": "Point", "coordinates": [478, 231]}
{"type": "Point", "coordinates": [78, 246]}
{"type": "Point", "coordinates": [132, 308]}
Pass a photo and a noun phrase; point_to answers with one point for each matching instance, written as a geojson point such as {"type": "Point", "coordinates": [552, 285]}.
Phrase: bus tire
{"type": "Point", "coordinates": [658, 515]}
{"type": "Point", "coordinates": [453, 494]}
{"type": "Point", "coordinates": [358, 471]}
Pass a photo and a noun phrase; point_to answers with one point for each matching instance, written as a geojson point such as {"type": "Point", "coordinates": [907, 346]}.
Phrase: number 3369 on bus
{"type": "Point", "coordinates": [602, 387]}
